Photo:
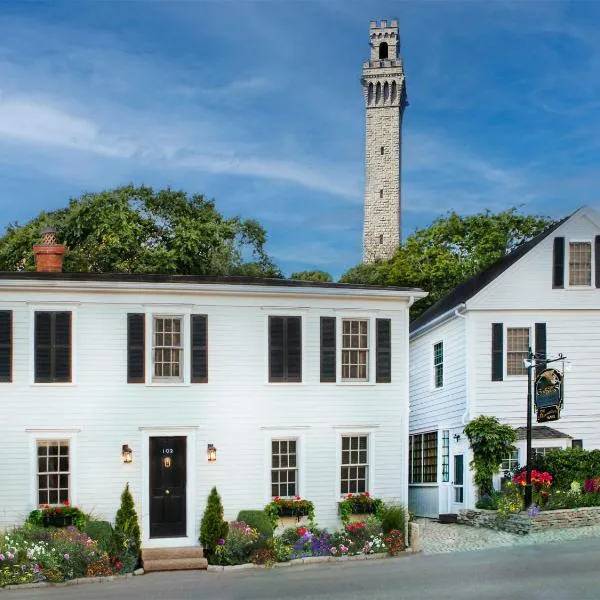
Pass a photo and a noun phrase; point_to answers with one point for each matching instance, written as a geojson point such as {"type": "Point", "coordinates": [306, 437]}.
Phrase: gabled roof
{"type": "Point", "coordinates": [466, 290]}
{"type": "Point", "coordinates": [541, 432]}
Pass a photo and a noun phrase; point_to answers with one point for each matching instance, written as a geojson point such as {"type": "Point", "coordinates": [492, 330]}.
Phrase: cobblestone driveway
{"type": "Point", "coordinates": [437, 538]}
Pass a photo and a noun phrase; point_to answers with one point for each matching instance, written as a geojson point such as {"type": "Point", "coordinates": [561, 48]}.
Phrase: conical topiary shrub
{"type": "Point", "coordinates": [127, 520]}
{"type": "Point", "coordinates": [213, 527]}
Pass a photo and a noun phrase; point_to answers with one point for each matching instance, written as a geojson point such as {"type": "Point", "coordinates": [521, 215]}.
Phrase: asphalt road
{"type": "Point", "coordinates": [565, 571]}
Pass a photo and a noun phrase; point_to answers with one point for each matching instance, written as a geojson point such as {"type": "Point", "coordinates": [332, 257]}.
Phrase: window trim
{"type": "Point", "coordinates": [370, 466]}
{"type": "Point", "coordinates": [567, 272]}
{"type": "Point", "coordinates": [48, 435]}
{"type": "Point", "coordinates": [183, 363]}
{"type": "Point", "coordinates": [279, 438]}
{"type": "Point", "coordinates": [305, 372]}
{"type": "Point", "coordinates": [297, 433]}
{"type": "Point", "coordinates": [436, 454]}
{"type": "Point", "coordinates": [179, 311]}
{"type": "Point", "coordinates": [71, 307]}
{"type": "Point", "coordinates": [513, 325]}
{"type": "Point", "coordinates": [442, 364]}
{"type": "Point", "coordinates": [372, 348]}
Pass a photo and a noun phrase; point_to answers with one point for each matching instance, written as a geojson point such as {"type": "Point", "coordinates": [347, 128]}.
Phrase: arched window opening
{"type": "Point", "coordinates": [381, 193]}
{"type": "Point", "coordinates": [381, 239]}
{"type": "Point", "coordinates": [382, 150]}
{"type": "Point", "coordinates": [378, 93]}
{"type": "Point", "coordinates": [383, 50]}
{"type": "Point", "coordinates": [370, 94]}
{"type": "Point", "coordinates": [393, 91]}
{"type": "Point", "coordinates": [386, 91]}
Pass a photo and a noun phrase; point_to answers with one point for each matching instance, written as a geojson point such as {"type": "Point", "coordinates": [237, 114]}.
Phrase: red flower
{"type": "Point", "coordinates": [66, 503]}
{"type": "Point", "coordinates": [297, 497]}
{"type": "Point", "coordinates": [367, 494]}
{"type": "Point", "coordinates": [59, 511]}
{"type": "Point", "coordinates": [301, 531]}
{"type": "Point", "coordinates": [276, 499]}
{"type": "Point", "coordinates": [118, 566]}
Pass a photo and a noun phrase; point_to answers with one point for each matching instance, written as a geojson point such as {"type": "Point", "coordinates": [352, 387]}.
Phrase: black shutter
{"type": "Point", "coordinates": [328, 366]}
{"type": "Point", "coordinates": [597, 259]}
{"type": "Point", "coordinates": [199, 336]}
{"type": "Point", "coordinates": [293, 354]}
{"type": "Point", "coordinates": [43, 347]}
{"type": "Point", "coordinates": [558, 263]}
{"type": "Point", "coordinates": [383, 366]}
{"type": "Point", "coordinates": [276, 349]}
{"type": "Point", "coordinates": [5, 346]}
{"type": "Point", "coordinates": [136, 355]}
{"type": "Point", "coordinates": [62, 347]}
{"type": "Point", "coordinates": [540, 345]}
{"type": "Point", "coordinates": [497, 351]}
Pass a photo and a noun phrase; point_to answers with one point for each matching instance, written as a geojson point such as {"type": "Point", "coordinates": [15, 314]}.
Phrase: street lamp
{"type": "Point", "coordinates": [532, 362]}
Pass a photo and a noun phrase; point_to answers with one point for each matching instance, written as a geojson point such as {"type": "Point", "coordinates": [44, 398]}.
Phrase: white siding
{"type": "Point", "coordinates": [237, 411]}
{"type": "Point", "coordinates": [432, 407]}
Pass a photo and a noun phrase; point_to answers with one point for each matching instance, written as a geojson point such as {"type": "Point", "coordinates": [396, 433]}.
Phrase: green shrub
{"type": "Point", "coordinates": [393, 517]}
{"type": "Point", "coordinates": [127, 523]}
{"type": "Point", "coordinates": [102, 532]}
{"type": "Point", "coordinates": [488, 501]}
{"type": "Point", "coordinates": [212, 528]}
{"type": "Point", "coordinates": [289, 536]}
{"type": "Point", "coordinates": [240, 543]}
{"type": "Point", "coordinates": [259, 520]}
{"type": "Point", "coordinates": [560, 499]}
{"type": "Point", "coordinates": [571, 464]}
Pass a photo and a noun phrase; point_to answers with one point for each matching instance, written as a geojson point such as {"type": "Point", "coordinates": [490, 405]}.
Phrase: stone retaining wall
{"type": "Point", "coordinates": [521, 523]}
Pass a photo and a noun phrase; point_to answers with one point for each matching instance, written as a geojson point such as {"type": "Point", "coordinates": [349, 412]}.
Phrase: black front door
{"type": "Point", "coordinates": [167, 486]}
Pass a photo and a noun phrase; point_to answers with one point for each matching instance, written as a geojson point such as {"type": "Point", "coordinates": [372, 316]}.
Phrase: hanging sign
{"type": "Point", "coordinates": [548, 396]}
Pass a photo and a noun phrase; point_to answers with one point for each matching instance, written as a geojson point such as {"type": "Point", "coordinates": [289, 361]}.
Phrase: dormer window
{"type": "Point", "coordinates": [580, 264]}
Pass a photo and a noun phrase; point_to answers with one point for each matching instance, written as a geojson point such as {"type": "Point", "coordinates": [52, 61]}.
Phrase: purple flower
{"type": "Point", "coordinates": [221, 542]}
{"type": "Point", "coordinates": [66, 556]}
{"type": "Point", "coordinates": [10, 555]}
{"type": "Point", "coordinates": [1, 556]}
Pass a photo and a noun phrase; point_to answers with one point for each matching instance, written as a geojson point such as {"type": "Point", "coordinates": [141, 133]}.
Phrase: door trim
{"type": "Point", "coordinates": [191, 537]}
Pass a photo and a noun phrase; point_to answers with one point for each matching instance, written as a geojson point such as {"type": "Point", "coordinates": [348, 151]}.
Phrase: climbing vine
{"type": "Point", "coordinates": [491, 442]}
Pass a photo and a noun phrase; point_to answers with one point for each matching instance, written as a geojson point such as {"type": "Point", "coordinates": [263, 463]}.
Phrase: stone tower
{"type": "Point", "coordinates": [385, 99]}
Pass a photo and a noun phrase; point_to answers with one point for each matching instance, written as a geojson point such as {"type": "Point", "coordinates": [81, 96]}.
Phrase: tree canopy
{"type": "Point", "coordinates": [452, 249]}
{"type": "Point", "coordinates": [312, 276]}
{"type": "Point", "coordinates": [138, 230]}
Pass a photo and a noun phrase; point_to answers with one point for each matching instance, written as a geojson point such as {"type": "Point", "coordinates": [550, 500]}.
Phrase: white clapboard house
{"type": "Point", "coordinates": [467, 351]}
{"type": "Point", "coordinates": [293, 388]}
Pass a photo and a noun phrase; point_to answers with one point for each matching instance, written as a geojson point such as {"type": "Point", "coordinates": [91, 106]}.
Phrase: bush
{"type": "Point", "coordinates": [571, 499]}
{"type": "Point", "coordinates": [127, 523]}
{"type": "Point", "coordinates": [571, 464]}
{"type": "Point", "coordinates": [102, 532]}
{"type": "Point", "coordinates": [259, 520]}
{"type": "Point", "coordinates": [213, 528]}
{"type": "Point", "coordinates": [393, 517]}
{"type": "Point", "coordinates": [290, 535]}
{"type": "Point", "coordinates": [394, 542]}
{"type": "Point", "coordinates": [237, 548]}
{"type": "Point", "coordinates": [488, 501]}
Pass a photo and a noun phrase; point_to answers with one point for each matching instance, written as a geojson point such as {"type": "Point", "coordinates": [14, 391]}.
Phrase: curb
{"type": "Point", "coordinates": [307, 561]}
{"type": "Point", "coordinates": [79, 581]}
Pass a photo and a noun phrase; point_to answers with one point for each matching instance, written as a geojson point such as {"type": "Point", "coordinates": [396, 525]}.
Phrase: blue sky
{"type": "Point", "coordinates": [258, 105]}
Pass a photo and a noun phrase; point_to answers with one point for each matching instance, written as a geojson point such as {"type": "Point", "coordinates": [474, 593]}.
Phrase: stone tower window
{"type": "Point", "coordinates": [381, 193]}
{"type": "Point", "coordinates": [383, 50]}
{"type": "Point", "coordinates": [381, 239]}
{"type": "Point", "coordinates": [382, 150]}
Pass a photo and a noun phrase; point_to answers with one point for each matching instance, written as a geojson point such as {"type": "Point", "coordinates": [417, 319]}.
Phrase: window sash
{"type": "Point", "coordinates": [580, 264]}
{"type": "Point", "coordinates": [355, 350]}
{"type": "Point", "coordinates": [53, 471]}
{"type": "Point", "coordinates": [284, 468]}
{"type": "Point", "coordinates": [510, 462]}
{"type": "Point", "coordinates": [167, 348]}
{"type": "Point", "coordinates": [517, 350]}
{"type": "Point", "coordinates": [445, 455]}
{"type": "Point", "coordinates": [438, 364]}
{"type": "Point", "coordinates": [423, 457]}
{"type": "Point", "coordinates": [354, 466]}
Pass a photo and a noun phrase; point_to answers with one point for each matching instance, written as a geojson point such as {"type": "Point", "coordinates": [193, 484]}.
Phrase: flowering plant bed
{"type": "Point", "coordinates": [363, 503]}
{"type": "Point", "coordinates": [289, 507]}
{"type": "Point", "coordinates": [62, 515]}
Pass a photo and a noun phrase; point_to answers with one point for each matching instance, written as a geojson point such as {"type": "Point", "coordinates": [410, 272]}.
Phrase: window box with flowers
{"type": "Point", "coordinates": [63, 515]}
{"type": "Point", "coordinates": [289, 507]}
{"type": "Point", "coordinates": [359, 504]}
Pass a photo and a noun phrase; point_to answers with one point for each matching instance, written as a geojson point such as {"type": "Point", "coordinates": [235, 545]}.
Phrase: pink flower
{"type": "Point", "coordinates": [1, 556]}
{"type": "Point", "coordinates": [10, 555]}
{"type": "Point", "coordinates": [333, 550]}
{"type": "Point", "coordinates": [343, 549]}
{"type": "Point", "coordinates": [66, 556]}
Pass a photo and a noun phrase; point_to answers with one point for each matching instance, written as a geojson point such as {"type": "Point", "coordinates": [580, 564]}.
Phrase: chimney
{"type": "Point", "coordinates": [48, 254]}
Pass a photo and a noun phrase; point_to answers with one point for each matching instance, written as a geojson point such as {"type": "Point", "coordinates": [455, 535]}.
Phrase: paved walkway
{"type": "Point", "coordinates": [437, 538]}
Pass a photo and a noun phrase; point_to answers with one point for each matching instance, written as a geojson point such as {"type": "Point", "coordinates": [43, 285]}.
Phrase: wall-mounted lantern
{"type": "Point", "coordinates": [127, 453]}
{"type": "Point", "coordinates": [456, 437]}
{"type": "Point", "coordinates": [211, 453]}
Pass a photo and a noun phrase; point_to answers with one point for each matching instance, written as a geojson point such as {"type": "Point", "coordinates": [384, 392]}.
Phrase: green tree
{"type": "Point", "coordinates": [312, 276]}
{"type": "Point", "coordinates": [213, 527]}
{"type": "Point", "coordinates": [127, 522]}
{"type": "Point", "coordinates": [140, 230]}
{"type": "Point", "coordinates": [452, 249]}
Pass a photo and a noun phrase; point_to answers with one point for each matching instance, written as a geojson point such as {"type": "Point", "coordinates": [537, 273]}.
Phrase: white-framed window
{"type": "Point", "coordinates": [438, 365]}
{"type": "Point", "coordinates": [445, 456]}
{"type": "Point", "coordinates": [354, 466]}
{"type": "Point", "coordinates": [544, 450]}
{"type": "Point", "coordinates": [580, 264]}
{"type": "Point", "coordinates": [423, 457]}
{"type": "Point", "coordinates": [355, 349]}
{"type": "Point", "coordinates": [517, 350]}
{"type": "Point", "coordinates": [284, 468]}
{"type": "Point", "coordinates": [167, 348]}
{"type": "Point", "coordinates": [509, 463]}
{"type": "Point", "coordinates": [53, 471]}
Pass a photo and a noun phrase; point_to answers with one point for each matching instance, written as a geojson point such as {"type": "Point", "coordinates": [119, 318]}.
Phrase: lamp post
{"type": "Point", "coordinates": [532, 362]}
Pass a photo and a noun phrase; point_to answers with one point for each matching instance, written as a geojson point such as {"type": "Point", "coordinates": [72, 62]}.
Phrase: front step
{"type": "Point", "coordinates": [173, 559]}
{"type": "Point", "coordinates": [448, 518]}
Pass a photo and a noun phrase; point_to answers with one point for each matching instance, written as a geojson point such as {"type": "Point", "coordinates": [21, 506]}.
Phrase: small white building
{"type": "Point", "coordinates": [302, 389]}
{"type": "Point", "coordinates": [467, 351]}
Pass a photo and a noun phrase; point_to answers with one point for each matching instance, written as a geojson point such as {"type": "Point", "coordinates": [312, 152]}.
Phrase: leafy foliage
{"type": "Point", "coordinates": [358, 504]}
{"type": "Point", "coordinates": [490, 442]}
{"type": "Point", "coordinates": [312, 276]}
{"type": "Point", "coordinates": [393, 517]}
{"type": "Point", "coordinates": [213, 528]}
{"type": "Point", "coordinates": [138, 230]}
{"type": "Point", "coordinates": [259, 520]}
{"type": "Point", "coordinates": [126, 521]}
{"type": "Point", "coordinates": [452, 249]}
{"type": "Point", "coordinates": [571, 464]}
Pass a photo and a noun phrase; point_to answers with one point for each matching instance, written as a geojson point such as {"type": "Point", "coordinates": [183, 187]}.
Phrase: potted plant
{"type": "Point", "coordinates": [63, 515]}
{"type": "Point", "coordinates": [354, 504]}
{"type": "Point", "coordinates": [289, 507]}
